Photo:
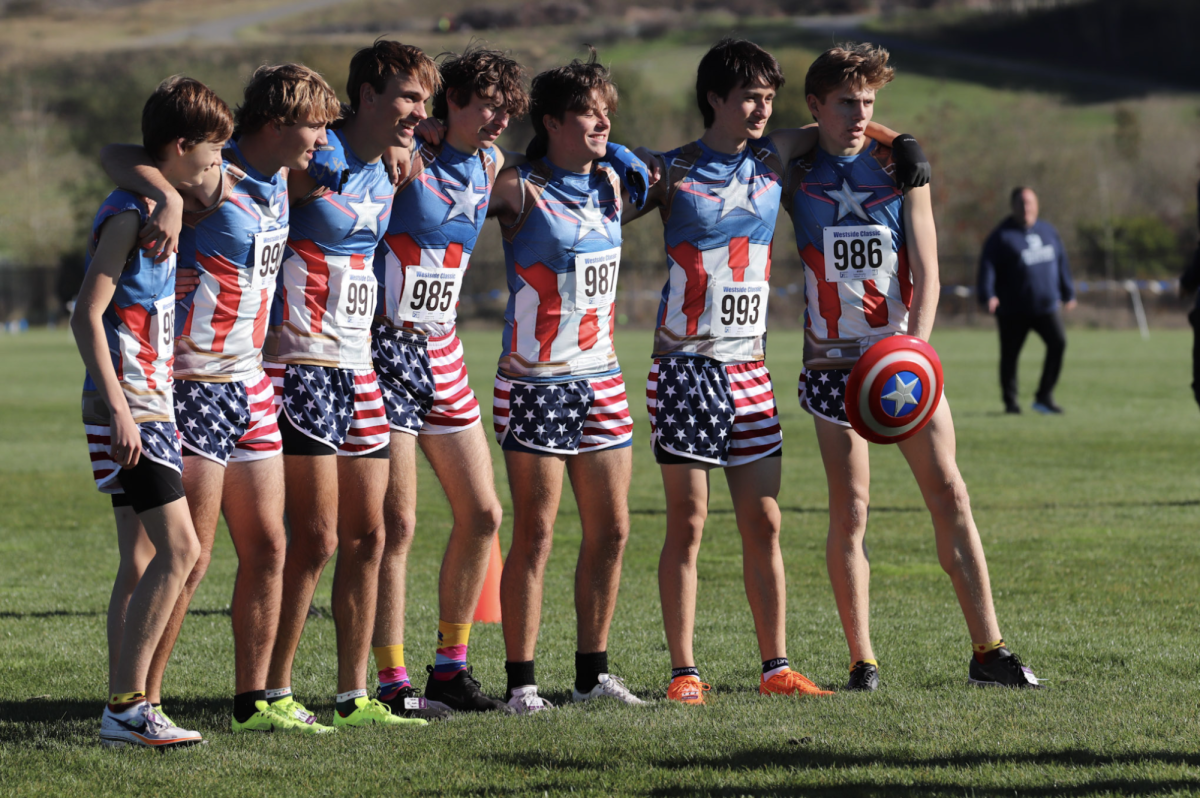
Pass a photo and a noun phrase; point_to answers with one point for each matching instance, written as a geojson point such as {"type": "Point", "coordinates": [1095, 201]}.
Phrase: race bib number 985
{"type": "Point", "coordinates": [859, 253]}
{"type": "Point", "coordinates": [356, 302]}
{"type": "Point", "coordinates": [268, 255]}
{"type": "Point", "coordinates": [596, 278]}
{"type": "Point", "coordinates": [429, 294]}
{"type": "Point", "coordinates": [740, 309]}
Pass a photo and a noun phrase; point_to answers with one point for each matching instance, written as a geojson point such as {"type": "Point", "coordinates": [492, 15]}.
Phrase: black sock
{"type": "Point", "coordinates": [690, 670]}
{"type": "Point", "coordinates": [772, 664]}
{"type": "Point", "coordinates": [588, 668]}
{"type": "Point", "coordinates": [520, 674]}
{"type": "Point", "coordinates": [243, 704]}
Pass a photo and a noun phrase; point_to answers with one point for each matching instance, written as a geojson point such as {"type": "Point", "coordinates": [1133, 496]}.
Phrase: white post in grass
{"type": "Point", "coordinates": [1139, 312]}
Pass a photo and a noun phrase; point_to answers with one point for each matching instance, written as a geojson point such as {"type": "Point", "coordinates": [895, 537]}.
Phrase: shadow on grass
{"type": "Point", "coordinates": [916, 788]}
{"type": "Point", "coordinates": [42, 614]}
{"type": "Point", "coordinates": [54, 717]}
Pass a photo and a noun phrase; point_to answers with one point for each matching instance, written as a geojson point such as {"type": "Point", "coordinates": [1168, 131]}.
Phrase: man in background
{"type": "Point", "coordinates": [1024, 280]}
{"type": "Point", "coordinates": [1189, 281]}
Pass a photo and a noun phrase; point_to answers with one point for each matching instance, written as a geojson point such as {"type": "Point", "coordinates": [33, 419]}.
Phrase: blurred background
{"type": "Point", "coordinates": [1093, 103]}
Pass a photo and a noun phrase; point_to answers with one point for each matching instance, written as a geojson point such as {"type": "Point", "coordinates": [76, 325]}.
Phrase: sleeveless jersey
{"type": "Point", "coordinates": [562, 255]}
{"type": "Point", "coordinates": [237, 245]}
{"type": "Point", "coordinates": [719, 220]}
{"type": "Point", "coordinates": [327, 291]}
{"type": "Point", "coordinates": [436, 218]}
{"type": "Point", "coordinates": [848, 215]}
{"type": "Point", "coordinates": [139, 324]}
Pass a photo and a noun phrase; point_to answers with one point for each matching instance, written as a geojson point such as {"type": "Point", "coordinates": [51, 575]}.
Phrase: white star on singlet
{"type": "Point", "coordinates": [735, 195]}
{"type": "Point", "coordinates": [849, 201]}
{"type": "Point", "coordinates": [366, 214]}
{"type": "Point", "coordinates": [591, 220]}
{"type": "Point", "coordinates": [464, 202]}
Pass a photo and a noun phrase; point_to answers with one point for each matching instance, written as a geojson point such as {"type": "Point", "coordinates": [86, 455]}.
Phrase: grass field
{"type": "Point", "coordinates": [1089, 521]}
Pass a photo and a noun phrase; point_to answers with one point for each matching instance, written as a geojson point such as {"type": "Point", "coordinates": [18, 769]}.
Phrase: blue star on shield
{"type": "Point", "coordinates": [903, 392]}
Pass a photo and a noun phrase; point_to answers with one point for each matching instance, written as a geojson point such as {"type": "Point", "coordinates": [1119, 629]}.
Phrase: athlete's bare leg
{"type": "Point", "coordinates": [253, 507]}
{"type": "Point", "coordinates": [463, 465]}
{"type": "Point", "coordinates": [176, 551]}
{"type": "Point", "coordinates": [362, 484]}
{"type": "Point", "coordinates": [687, 488]}
{"type": "Point", "coordinates": [755, 488]}
{"type": "Point", "coordinates": [601, 484]}
{"type": "Point", "coordinates": [136, 551]}
{"type": "Point", "coordinates": [399, 519]}
{"type": "Point", "coordinates": [311, 491]}
{"type": "Point", "coordinates": [848, 472]}
{"type": "Point", "coordinates": [203, 482]}
{"type": "Point", "coordinates": [930, 454]}
{"type": "Point", "coordinates": [536, 483]}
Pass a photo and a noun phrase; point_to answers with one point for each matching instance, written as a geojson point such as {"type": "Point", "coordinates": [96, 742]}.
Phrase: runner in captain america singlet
{"type": "Point", "coordinates": [439, 209]}
{"type": "Point", "coordinates": [124, 328]}
{"type": "Point", "coordinates": [224, 400]}
{"type": "Point", "coordinates": [709, 393]}
{"type": "Point", "coordinates": [318, 356]}
{"type": "Point", "coordinates": [870, 256]}
{"type": "Point", "coordinates": [559, 401]}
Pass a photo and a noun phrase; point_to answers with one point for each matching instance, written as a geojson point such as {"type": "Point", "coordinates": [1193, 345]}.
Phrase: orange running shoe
{"type": "Point", "coordinates": [788, 682]}
{"type": "Point", "coordinates": [687, 690]}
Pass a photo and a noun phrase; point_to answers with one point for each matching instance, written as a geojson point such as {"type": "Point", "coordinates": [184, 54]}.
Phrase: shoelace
{"type": "Point", "coordinates": [618, 684]}
{"type": "Point", "coordinates": [154, 721]}
{"type": "Point", "coordinates": [377, 704]}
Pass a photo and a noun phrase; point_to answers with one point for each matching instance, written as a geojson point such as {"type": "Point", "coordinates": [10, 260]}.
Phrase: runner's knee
{"type": "Point", "coordinates": [948, 500]}
{"type": "Point", "coordinates": [848, 523]}
{"type": "Point", "coordinates": [401, 524]}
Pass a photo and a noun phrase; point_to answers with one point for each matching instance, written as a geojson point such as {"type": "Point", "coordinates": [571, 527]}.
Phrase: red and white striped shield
{"type": "Point", "coordinates": [893, 389]}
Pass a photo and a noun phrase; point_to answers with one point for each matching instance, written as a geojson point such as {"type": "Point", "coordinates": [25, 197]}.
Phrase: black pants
{"type": "Point", "coordinates": [1013, 330]}
{"type": "Point", "coordinates": [1194, 318]}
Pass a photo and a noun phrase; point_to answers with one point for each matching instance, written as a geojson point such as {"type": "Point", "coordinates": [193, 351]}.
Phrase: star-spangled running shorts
{"type": "Point", "coordinates": [424, 383]}
{"type": "Point", "coordinates": [823, 394]}
{"type": "Point", "coordinates": [228, 422]}
{"type": "Point", "coordinates": [156, 480]}
{"type": "Point", "coordinates": [340, 410]}
{"type": "Point", "coordinates": [702, 410]}
{"type": "Point", "coordinates": [571, 417]}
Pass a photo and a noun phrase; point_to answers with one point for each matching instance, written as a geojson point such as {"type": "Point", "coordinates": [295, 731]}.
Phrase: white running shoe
{"type": "Point", "coordinates": [526, 701]}
{"type": "Point", "coordinates": [143, 725]}
{"type": "Point", "coordinates": [609, 687]}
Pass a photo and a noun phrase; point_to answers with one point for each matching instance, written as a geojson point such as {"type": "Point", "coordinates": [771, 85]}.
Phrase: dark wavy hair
{"type": "Point", "coordinates": [476, 71]}
{"type": "Point", "coordinates": [376, 64]}
{"type": "Point", "coordinates": [729, 64]}
{"type": "Point", "coordinates": [184, 108]}
{"type": "Point", "coordinates": [574, 87]}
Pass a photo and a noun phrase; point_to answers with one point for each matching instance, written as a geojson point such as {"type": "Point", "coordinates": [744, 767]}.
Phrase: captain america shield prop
{"type": "Point", "coordinates": [893, 389]}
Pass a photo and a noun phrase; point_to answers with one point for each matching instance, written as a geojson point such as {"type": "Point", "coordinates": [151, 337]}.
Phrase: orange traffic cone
{"type": "Point", "coordinates": [488, 608]}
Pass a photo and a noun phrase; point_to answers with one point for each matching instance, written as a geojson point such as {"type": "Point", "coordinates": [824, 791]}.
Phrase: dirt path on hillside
{"type": "Point", "coordinates": [224, 31]}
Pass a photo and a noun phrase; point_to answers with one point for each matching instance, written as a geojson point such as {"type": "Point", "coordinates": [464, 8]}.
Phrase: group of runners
{"type": "Point", "coordinates": [311, 349]}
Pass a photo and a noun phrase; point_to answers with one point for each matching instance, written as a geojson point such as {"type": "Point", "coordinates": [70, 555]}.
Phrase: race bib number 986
{"type": "Point", "coordinates": [356, 300]}
{"type": "Point", "coordinates": [859, 253]}
{"type": "Point", "coordinates": [268, 255]}
{"type": "Point", "coordinates": [596, 278]}
{"type": "Point", "coordinates": [429, 295]}
{"type": "Point", "coordinates": [740, 309]}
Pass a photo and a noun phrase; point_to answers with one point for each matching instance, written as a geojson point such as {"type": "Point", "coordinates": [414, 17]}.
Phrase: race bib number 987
{"type": "Point", "coordinates": [268, 255]}
{"type": "Point", "coordinates": [596, 278]}
{"type": "Point", "coordinates": [429, 294]}
{"type": "Point", "coordinates": [859, 253]}
{"type": "Point", "coordinates": [356, 300]}
{"type": "Point", "coordinates": [740, 309]}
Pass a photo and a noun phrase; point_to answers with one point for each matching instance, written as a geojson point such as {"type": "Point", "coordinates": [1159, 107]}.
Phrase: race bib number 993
{"type": "Point", "coordinates": [740, 309]}
{"type": "Point", "coordinates": [859, 253]}
{"type": "Point", "coordinates": [596, 278]}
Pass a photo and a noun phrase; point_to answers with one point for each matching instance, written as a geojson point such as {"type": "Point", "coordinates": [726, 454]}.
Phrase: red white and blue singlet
{"type": "Point", "coordinates": [327, 292]}
{"type": "Point", "coordinates": [848, 215]}
{"type": "Point", "coordinates": [719, 220]}
{"type": "Point", "coordinates": [237, 245]}
{"type": "Point", "coordinates": [563, 256]}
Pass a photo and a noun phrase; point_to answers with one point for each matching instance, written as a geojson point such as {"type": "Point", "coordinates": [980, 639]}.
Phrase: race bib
{"type": "Point", "coordinates": [162, 327]}
{"type": "Point", "coordinates": [356, 299]}
{"type": "Point", "coordinates": [859, 253]}
{"type": "Point", "coordinates": [429, 295]}
{"type": "Point", "coordinates": [268, 256]}
{"type": "Point", "coordinates": [740, 309]}
{"type": "Point", "coordinates": [596, 278]}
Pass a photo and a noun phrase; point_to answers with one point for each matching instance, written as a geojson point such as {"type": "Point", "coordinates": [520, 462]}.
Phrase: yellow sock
{"type": "Point", "coordinates": [119, 702]}
{"type": "Point", "coordinates": [453, 634]}
{"type": "Point", "coordinates": [451, 654]}
{"type": "Point", "coordinates": [865, 662]}
{"type": "Point", "coordinates": [984, 648]}
{"type": "Point", "coordinates": [389, 656]}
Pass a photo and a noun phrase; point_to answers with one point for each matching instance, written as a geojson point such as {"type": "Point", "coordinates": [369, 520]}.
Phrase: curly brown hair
{"type": "Point", "coordinates": [475, 71]}
{"type": "Point", "coordinates": [376, 64]}
{"type": "Point", "coordinates": [574, 87]}
{"type": "Point", "coordinates": [283, 94]}
{"type": "Point", "coordinates": [861, 65]}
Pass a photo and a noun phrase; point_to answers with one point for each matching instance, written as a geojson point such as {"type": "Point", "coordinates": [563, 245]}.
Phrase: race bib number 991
{"type": "Point", "coordinates": [356, 300]}
{"type": "Point", "coordinates": [740, 309]}
{"type": "Point", "coordinates": [162, 327]}
{"type": "Point", "coordinates": [596, 278]}
{"type": "Point", "coordinates": [430, 295]}
{"type": "Point", "coordinates": [859, 253]}
{"type": "Point", "coordinates": [268, 255]}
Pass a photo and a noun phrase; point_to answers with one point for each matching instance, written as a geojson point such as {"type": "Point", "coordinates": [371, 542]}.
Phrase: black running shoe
{"type": "Point", "coordinates": [1047, 407]}
{"type": "Point", "coordinates": [462, 693]}
{"type": "Point", "coordinates": [1005, 670]}
{"type": "Point", "coordinates": [1013, 410]}
{"type": "Point", "coordinates": [864, 677]}
{"type": "Point", "coordinates": [408, 703]}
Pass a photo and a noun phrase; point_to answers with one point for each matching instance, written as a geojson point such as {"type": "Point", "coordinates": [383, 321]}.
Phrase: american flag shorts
{"type": "Point", "coordinates": [713, 412]}
{"type": "Point", "coordinates": [342, 408]}
{"type": "Point", "coordinates": [572, 417]}
{"type": "Point", "coordinates": [823, 394]}
{"type": "Point", "coordinates": [424, 383]}
{"type": "Point", "coordinates": [160, 443]}
{"type": "Point", "coordinates": [228, 421]}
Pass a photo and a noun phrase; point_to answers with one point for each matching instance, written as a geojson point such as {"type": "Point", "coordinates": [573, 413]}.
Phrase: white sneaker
{"type": "Point", "coordinates": [609, 687]}
{"type": "Point", "coordinates": [526, 701]}
{"type": "Point", "coordinates": [143, 725]}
